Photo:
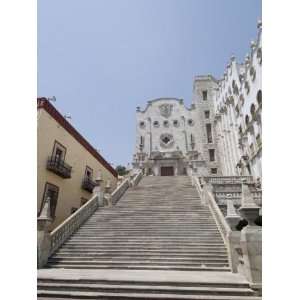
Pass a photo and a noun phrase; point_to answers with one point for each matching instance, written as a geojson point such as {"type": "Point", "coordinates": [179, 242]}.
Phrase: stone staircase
{"type": "Point", "coordinates": [152, 243]}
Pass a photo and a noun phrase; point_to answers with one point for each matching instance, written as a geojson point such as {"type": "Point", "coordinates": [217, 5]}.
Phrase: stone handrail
{"type": "Point", "coordinates": [119, 191]}
{"type": "Point", "coordinates": [136, 179]}
{"type": "Point", "coordinates": [209, 199]}
{"type": "Point", "coordinates": [218, 215]}
{"type": "Point", "coordinates": [60, 234]}
{"type": "Point", "coordinates": [221, 197]}
{"type": "Point", "coordinates": [227, 179]}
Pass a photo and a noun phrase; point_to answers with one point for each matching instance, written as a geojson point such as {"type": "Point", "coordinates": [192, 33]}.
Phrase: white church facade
{"type": "Point", "coordinates": [220, 134]}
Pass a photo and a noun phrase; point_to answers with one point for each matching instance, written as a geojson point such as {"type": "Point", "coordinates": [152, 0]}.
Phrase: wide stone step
{"type": "Point", "coordinates": [140, 258]}
{"type": "Point", "coordinates": [144, 243]}
{"type": "Point", "coordinates": [140, 230]}
{"type": "Point", "coordinates": [136, 238]}
{"type": "Point", "coordinates": [131, 288]}
{"type": "Point", "coordinates": [140, 267]}
{"type": "Point", "coordinates": [140, 255]}
{"type": "Point", "coordinates": [178, 252]}
{"type": "Point", "coordinates": [128, 247]}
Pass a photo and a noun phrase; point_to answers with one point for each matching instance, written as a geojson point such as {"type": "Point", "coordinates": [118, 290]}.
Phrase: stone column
{"type": "Point", "coordinates": [98, 189]}
{"type": "Point", "coordinates": [233, 236]}
{"type": "Point", "coordinates": [251, 239]}
{"type": "Point", "coordinates": [43, 235]}
{"type": "Point", "coordinates": [107, 194]}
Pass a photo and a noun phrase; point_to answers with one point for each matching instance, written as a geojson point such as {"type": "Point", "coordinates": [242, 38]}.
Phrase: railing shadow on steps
{"type": "Point", "coordinates": [207, 198]}
{"type": "Point", "coordinates": [60, 234]}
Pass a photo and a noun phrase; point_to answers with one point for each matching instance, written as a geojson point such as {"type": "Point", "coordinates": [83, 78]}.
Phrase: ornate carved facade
{"type": "Point", "coordinates": [220, 134]}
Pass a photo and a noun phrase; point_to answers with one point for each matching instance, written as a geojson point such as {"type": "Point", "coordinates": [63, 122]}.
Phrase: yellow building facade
{"type": "Point", "coordinates": [67, 164]}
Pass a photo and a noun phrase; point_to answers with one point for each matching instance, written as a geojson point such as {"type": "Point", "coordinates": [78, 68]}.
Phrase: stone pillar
{"type": "Point", "coordinates": [107, 195]}
{"type": "Point", "coordinates": [251, 239]}
{"type": "Point", "coordinates": [98, 189]}
{"type": "Point", "coordinates": [233, 236]}
{"type": "Point", "coordinates": [43, 235]}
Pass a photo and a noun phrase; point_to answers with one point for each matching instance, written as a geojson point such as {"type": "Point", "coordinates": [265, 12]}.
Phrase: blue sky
{"type": "Point", "coordinates": [101, 59]}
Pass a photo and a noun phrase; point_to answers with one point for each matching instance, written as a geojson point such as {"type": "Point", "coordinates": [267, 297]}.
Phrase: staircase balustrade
{"type": "Point", "coordinates": [136, 179]}
{"type": "Point", "coordinates": [214, 208]}
{"type": "Point", "coordinates": [119, 191]}
{"type": "Point", "coordinates": [208, 198]}
{"type": "Point", "coordinates": [221, 198]}
{"type": "Point", "coordinates": [227, 179]}
{"type": "Point", "coordinates": [60, 234]}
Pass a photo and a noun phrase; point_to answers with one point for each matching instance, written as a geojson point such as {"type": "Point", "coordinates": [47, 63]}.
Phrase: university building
{"type": "Point", "coordinates": [220, 134]}
{"type": "Point", "coordinates": [67, 164]}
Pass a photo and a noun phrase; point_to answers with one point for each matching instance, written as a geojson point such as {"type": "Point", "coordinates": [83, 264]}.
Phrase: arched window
{"type": "Point", "coordinates": [233, 84]}
{"type": "Point", "coordinates": [242, 99]}
{"type": "Point", "coordinates": [240, 130]}
{"type": "Point", "coordinates": [252, 73]}
{"type": "Point", "coordinates": [259, 55]}
{"type": "Point", "coordinates": [252, 110]}
{"type": "Point", "coordinates": [247, 120]}
{"type": "Point", "coordinates": [259, 98]}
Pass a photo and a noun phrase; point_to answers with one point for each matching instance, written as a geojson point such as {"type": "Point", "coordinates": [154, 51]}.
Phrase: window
{"type": "Point", "coordinates": [258, 140]}
{"type": "Point", "coordinates": [204, 95]}
{"type": "Point", "coordinates": [252, 149]}
{"type": "Point", "coordinates": [166, 123]}
{"type": "Point", "coordinates": [258, 98]}
{"type": "Point", "coordinates": [211, 154]}
{"type": "Point", "coordinates": [213, 170]}
{"type": "Point", "coordinates": [142, 124]}
{"type": "Point", "coordinates": [252, 110]}
{"type": "Point", "coordinates": [190, 122]}
{"type": "Point", "coordinates": [206, 114]}
{"type": "Point", "coordinates": [155, 124]}
{"type": "Point", "coordinates": [88, 172]}
{"type": "Point", "coordinates": [59, 151]}
{"type": "Point", "coordinates": [73, 209]}
{"type": "Point", "coordinates": [83, 201]}
{"type": "Point", "coordinates": [240, 130]}
{"type": "Point", "coordinates": [50, 191]}
{"type": "Point", "coordinates": [247, 120]}
{"type": "Point", "coordinates": [209, 133]}
{"type": "Point", "coordinates": [176, 123]}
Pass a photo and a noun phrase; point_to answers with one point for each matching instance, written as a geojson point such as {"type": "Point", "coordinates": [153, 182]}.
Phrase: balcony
{"type": "Point", "coordinates": [88, 184]}
{"type": "Point", "coordinates": [59, 167]}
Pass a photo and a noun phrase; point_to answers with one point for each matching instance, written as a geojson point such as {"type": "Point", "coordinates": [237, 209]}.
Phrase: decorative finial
{"type": "Point", "coordinates": [253, 44]}
{"type": "Point", "coordinates": [259, 24]}
{"type": "Point", "coordinates": [138, 108]}
{"type": "Point", "coordinates": [232, 58]}
{"type": "Point", "coordinates": [247, 58]}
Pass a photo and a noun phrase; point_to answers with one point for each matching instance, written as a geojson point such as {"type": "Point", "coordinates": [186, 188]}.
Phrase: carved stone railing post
{"type": "Point", "coordinates": [233, 236]}
{"type": "Point", "coordinates": [135, 179]}
{"type": "Point", "coordinates": [251, 239]}
{"type": "Point", "coordinates": [232, 217]}
{"type": "Point", "coordinates": [107, 194]}
{"type": "Point", "coordinates": [43, 235]}
{"type": "Point", "coordinates": [98, 189]}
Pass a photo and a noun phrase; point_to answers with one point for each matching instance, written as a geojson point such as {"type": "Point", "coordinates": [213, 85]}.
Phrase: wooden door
{"type": "Point", "coordinates": [167, 171]}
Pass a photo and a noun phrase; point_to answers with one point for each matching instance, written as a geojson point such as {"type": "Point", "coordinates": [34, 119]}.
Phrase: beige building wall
{"type": "Point", "coordinates": [77, 156]}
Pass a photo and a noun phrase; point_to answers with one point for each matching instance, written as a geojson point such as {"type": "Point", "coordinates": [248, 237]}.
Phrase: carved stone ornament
{"type": "Point", "coordinates": [166, 110]}
{"type": "Point", "coordinates": [166, 140]}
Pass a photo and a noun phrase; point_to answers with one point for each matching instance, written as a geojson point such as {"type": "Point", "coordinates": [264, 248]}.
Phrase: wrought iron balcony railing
{"type": "Point", "coordinates": [88, 184]}
{"type": "Point", "coordinates": [59, 167]}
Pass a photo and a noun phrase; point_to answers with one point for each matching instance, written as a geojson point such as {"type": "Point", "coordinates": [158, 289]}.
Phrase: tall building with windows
{"type": "Point", "coordinates": [67, 165]}
{"type": "Point", "coordinates": [237, 122]}
{"type": "Point", "coordinates": [220, 134]}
